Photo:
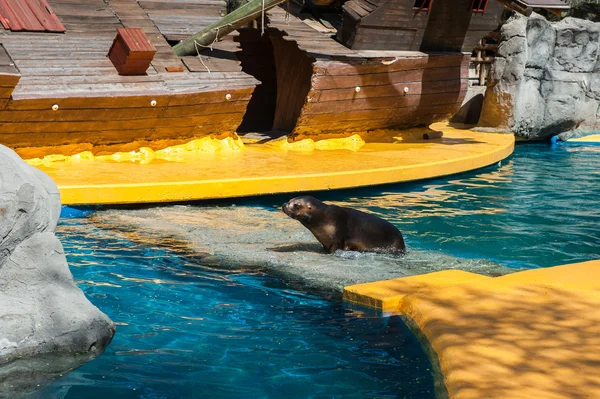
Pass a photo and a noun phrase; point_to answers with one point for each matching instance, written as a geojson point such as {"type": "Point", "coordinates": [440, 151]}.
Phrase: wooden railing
{"type": "Point", "coordinates": [482, 57]}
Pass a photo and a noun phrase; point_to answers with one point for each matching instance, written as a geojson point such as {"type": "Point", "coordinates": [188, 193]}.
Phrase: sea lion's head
{"type": "Point", "coordinates": [303, 209]}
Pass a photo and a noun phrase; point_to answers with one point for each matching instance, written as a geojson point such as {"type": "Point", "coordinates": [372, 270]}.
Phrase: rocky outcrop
{"type": "Point", "coordinates": [42, 311]}
{"type": "Point", "coordinates": [545, 79]}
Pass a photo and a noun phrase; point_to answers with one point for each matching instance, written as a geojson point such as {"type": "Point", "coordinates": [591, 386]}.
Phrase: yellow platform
{"type": "Point", "coordinates": [531, 334]}
{"type": "Point", "coordinates": [592, 139]}
{"type": "Point", "coordinates": [236, 170]}
{"type": "Point", "coordinates": [387, 296]}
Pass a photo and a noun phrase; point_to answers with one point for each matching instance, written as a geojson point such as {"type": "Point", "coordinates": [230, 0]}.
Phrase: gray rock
{"type": "Point", "coordinates": [545, 79]}
{"type": "Point", "coordinates": [29, 202]}
{"type": "Point", "coordinates": [541, 37]}
{"type": "Point", "coordinates": [42, 311]}
{"type": "Point", "coordinates": [576, 48]}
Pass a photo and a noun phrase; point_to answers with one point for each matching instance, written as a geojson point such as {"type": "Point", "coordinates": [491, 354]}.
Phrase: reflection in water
{"type": "Point", "coordinates": [188, 329]}
{"type": "Point", "coordinates": [199, 317]}
{"type": "Point", "coordinates": [24, 376]}
{"type": "Point", "coordinates": [442, 199]}
{"type": "Point", "coordinates": [537, 209]}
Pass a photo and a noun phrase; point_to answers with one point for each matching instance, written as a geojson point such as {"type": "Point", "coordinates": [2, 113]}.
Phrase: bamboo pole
{"type": "Point", "coordinates": [230, 22]}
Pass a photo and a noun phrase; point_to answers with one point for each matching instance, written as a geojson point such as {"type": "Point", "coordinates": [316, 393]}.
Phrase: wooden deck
{"type": "Point", "coordinates": [99, 108]}
{"type": "Point", "coordinates": [308, 84]}
{"type": "Point", "coordinates": [448, 25]}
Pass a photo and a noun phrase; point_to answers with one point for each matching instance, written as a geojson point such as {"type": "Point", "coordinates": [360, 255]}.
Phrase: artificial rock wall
{"type": "Point", "coordinates": [42, 311]}
{"type": "Point", "coordinates": [545, 79]}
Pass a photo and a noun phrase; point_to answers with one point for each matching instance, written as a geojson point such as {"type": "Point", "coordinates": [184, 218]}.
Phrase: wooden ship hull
{"type": "Point", "coordinates": [60, 93]}
{"type": "Point", "coordinates": [327, 90]}
{"type": "Point", "coordinates": [97, 109]}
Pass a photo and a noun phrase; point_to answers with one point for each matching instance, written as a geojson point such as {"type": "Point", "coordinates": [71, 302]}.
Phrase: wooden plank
{"type": "Point", "coordinates": [211, 64]}
{"type": "Point", "coordinates": [389, 90]}
{"type": "Point", "coordinates": [87, 80]}
{"type": "Point", "coordinates": [5, 92]}
{"type": "Point", "coordinates": [387, 38]}
{"type": "Point", "coordinates": [124, 125]}
{"type": "Point", "coordinates": [294, 72]}
{"type": "Point", "coordinates": [355, 9]}
{"type": "Point", "coordinates": [194, 98]}
{"type": "Point", "coordinates": [390, 64]}
{"type": "Point", "coordinates": [83, 10]}
{"type": "Point", "coordinates": [65, 63]}
{"type": "Point", "coordinates": [373, 114]}
{"type": "Point", "coordinates": [180, 5]}
{"type": "Point", "coordinates": [9, 80]}
{"type": "Point", "coordinates": [397, 102]}
{"type": "Point", "coordinates": [106, 142]}
{"type": "Point", "coordinates": [402, 121]}
{"type": "Point", "coordinates": [69, 71]}
{"type": "Point", "coordinates": [344, 128]}
{"type": "Point", "coordinates": [115, 114]}
{"type": "Point", "coordinates": [415, 75]}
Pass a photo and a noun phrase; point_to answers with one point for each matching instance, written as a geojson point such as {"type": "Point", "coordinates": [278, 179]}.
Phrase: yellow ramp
{"type": "Point", "coordinates": [237, 170]}
{"type": "Point", "coordinates": [531, 334]}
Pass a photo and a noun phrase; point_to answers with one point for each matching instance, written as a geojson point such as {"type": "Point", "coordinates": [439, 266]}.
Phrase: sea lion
{"type": "Point", "coordinates": [337, 227]}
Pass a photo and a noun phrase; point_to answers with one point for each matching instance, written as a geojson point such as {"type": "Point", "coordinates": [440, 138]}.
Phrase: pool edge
{"type": "Point", "coordinates": [468, 347]}
{"type": "Point", "coordinates": [474, 151]}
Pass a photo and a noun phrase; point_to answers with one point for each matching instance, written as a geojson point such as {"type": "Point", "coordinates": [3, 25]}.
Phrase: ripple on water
{"type": "Point", "coordinates": [198, 316]}
{"type": "Point", "coordinates": [185, 330]}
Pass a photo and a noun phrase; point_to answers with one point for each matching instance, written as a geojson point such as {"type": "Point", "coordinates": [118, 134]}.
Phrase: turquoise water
{"type": "Point", "coordinates": [192, 331]}
{"type": "Point", "coordinates": [189, 331]}
{"type": "Point", "coordinates": [539, 208]}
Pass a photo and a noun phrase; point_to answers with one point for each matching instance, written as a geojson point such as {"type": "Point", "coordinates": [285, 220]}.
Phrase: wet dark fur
{"type": "Point", "coordinates": [337, 227]}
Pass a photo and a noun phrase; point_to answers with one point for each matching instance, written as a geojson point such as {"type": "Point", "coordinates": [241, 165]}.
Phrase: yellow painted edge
{"type": "Point", "coordinates": [386, 296]}
{"type": "Point", "coordinates": [584, 279]}
{"type": "Point", "coordinates": [241, 187]}
{"type": "Point", "coordinates": [594, 138]}
{"type": "Point", "coordinates": [386, 305]}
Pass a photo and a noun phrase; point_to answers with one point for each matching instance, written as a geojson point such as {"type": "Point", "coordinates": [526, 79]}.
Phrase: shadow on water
{"type": "Point", "coordinates": [535, 333]}
{"type": "Point", "coordinates": [22, 377]}
{"type": "Point", "coordinates": [301, 247]}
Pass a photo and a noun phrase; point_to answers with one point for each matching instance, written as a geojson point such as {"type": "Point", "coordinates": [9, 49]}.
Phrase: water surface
{"type": "Point", "coordinates": [191, 329]}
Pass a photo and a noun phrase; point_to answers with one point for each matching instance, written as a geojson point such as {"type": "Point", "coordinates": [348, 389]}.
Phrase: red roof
{"type": "Point", "coordinates": [29, 15]}
{"type": "Point", "coordinates": [136, 40]}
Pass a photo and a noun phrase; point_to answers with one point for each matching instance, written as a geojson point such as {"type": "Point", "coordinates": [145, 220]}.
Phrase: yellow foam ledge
{"type": "Point", "coordinates": [531, 334]}
{"type": "Point", "coordinates": [594, 138]}
{"type": "Point", "coordinates": [229, 170]}
{"type": "Point", "coordinates": [386, 296]}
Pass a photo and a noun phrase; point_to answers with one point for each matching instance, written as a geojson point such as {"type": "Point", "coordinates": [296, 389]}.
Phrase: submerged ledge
{"type": "Point", "coordinates": [253, 239]}
{"type": "Point", "coordinates": [258, 169]}
{"type": "Point", "coordinates": [530, 334]}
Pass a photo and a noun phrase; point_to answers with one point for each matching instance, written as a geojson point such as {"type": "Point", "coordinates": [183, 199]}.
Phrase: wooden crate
{"type": "Point", "coordinates": [131, 51]}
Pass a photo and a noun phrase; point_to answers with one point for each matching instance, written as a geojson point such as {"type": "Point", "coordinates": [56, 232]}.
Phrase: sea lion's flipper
{"type": "Point", "coordinates": [332, 248]}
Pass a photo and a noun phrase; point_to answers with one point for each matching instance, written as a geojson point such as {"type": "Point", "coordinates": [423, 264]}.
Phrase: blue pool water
{"type": "Point", "coordinates": [539, 208]}
{"type": "Point", "coordinates": [186, 330]}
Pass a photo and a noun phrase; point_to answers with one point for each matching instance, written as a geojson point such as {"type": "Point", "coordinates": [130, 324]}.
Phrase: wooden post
{"type": "Point", "coordinates": [232, 21]}
{"type": "Point", "coordinates": [480, 55]}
